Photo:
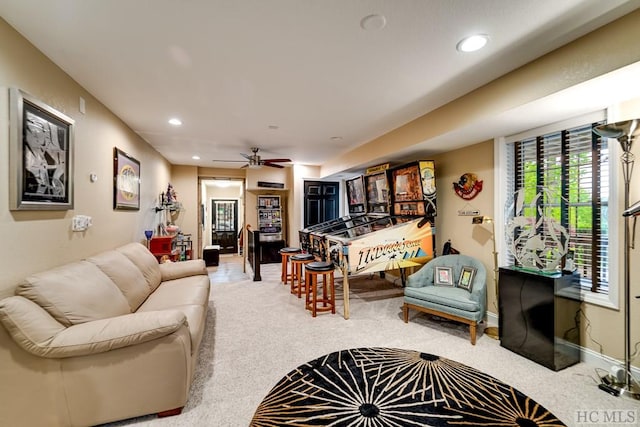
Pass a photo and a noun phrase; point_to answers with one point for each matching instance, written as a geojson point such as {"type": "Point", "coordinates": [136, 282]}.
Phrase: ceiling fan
{"type": "Point", "coordinates": [256, 162]}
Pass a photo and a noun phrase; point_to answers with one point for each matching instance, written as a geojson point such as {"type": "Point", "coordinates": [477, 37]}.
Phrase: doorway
{"type": "Point", "coordinates": [321, 201]}
{"type": "Point", "coordinates": [223, 189]}
{"type": "Point", "coordinates": [224, 225]}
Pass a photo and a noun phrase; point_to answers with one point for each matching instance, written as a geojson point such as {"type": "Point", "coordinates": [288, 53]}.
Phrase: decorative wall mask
{"type": "Point", "coordinates": [468, 186]}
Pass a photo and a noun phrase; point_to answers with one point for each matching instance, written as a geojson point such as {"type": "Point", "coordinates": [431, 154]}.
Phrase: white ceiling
{"type": "Point", "coordinates": [233, 69]}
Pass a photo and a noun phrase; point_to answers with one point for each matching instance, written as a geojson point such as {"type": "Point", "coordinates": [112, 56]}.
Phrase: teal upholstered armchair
{"type": "Point", "coordinates": [449, 301]}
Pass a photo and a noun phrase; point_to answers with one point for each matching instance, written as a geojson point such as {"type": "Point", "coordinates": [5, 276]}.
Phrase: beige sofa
{"type": "Point", "coordinates": [107, 338]}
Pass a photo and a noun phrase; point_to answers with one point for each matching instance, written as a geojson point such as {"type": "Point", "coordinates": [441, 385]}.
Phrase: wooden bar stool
{"type": "Point", "coordinates": [328, 300]}
{"type": "Point", "coordinates": [285, 253]}
{"type": "Point", "coordinates": [297, 280]}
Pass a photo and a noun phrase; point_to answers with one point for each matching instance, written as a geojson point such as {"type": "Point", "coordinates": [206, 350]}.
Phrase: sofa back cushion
{"type": "Point", "coordinates": [145, 261]}
{"type": "Point", "coordinates": [124, 273]}
{"type": "Point", "coordinates": [75, 293]}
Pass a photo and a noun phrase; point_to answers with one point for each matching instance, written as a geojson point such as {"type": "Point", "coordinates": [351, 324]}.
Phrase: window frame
{"type": "Point", "coordinates": [501, 161]}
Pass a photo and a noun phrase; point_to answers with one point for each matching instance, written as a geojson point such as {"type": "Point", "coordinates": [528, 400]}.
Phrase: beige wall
{"type": "Point", "coordinates": [469, 239]}
{"type": "Point", "coordinates": [185, 182]}
{"type": "Point", "coordinates": [37, 240]}
{"type": "Point", "coordinates": [301, 173]}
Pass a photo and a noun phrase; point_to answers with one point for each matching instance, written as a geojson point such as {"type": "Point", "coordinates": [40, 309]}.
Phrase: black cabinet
{"type": "Point", "coordinates": [534, 321]}
{"type": "Point", "coordinates": [270, 251]}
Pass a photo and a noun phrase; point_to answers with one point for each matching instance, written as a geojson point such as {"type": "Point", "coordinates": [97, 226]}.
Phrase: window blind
{"type": "Point", "coordinates": [574, 165]}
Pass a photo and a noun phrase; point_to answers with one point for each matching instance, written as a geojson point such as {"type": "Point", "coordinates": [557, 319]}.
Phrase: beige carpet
{"type": "Point", "coordinates": [257, 332]}
{"type": "Point", "coordinates": [369, 288]}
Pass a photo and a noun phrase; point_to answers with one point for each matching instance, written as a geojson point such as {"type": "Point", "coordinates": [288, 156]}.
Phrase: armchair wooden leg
{"type": "Point", "coordinates": [405, 313]}
{"type": "Point", "coordinates": [472, 330]}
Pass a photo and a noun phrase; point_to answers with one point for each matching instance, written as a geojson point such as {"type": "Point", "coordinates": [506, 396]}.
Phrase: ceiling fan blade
{"type": "Point", "coordinates": [277, 160]}
{"type": "Point", "coordinates": [246, 156]}
{"type": "Point", "coordinates": [229, 161]}
{"type": "Point", "coordinates": [273, 165]}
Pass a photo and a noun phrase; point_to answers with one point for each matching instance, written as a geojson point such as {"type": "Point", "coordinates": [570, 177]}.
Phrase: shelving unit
{"type": "Point", "coordinates": [164, 246]}
{"type": "Point", "coordinates": [185, 246]}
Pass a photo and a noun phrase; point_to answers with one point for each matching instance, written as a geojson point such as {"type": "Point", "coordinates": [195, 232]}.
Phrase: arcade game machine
{"type": "Point", "coordinates": [414, 190]}
{"type": "Point", "coordinates": [312, 237]}
{"type": "Point", "coordinates": [389, 242]}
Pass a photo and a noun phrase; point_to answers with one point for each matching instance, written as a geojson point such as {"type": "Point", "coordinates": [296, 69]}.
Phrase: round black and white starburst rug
{"type": "Point", "coordinates": [394, 387]}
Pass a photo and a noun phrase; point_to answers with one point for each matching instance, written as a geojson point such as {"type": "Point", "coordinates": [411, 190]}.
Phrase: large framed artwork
{"type": "Point", "coordinates": [40, 155]}
{"type": "Point", "coordinates": [126, 181]}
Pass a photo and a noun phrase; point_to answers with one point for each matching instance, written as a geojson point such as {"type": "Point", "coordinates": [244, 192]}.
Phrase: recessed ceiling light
{"type": "Point", "coordinates": [472, 43]}
{"type": "Point", "coordinates": [175, 122]}
{"type": "Point", "coordinates": [373, 22]}
{"type": "Point", "coordinates": [336, 138]}
{"type": "Point", "coordinates": [196, 157]}
{"type": "Point", "coordinates": [274, 127]}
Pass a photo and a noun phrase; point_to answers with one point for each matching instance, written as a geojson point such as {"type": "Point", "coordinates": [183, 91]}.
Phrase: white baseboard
{"type": "Point", "coordinates": [601, 362]}
{"type": "Point", "coordinates": [492, 319]}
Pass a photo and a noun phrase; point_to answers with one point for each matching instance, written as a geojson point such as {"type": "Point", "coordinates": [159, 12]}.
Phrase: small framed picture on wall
{"type": "Point", "coordinates": [126, 181]}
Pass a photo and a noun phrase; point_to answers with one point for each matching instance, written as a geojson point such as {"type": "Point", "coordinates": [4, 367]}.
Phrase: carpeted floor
{"type": "Point", "coordinates": [257, 332]}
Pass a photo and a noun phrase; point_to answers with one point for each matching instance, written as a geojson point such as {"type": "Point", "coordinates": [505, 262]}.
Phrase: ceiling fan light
{"type": "Point", "coordinates": [254, 166]}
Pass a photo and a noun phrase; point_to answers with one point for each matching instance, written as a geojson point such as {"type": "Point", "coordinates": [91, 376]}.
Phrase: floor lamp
{"type": "Point", "coordinates": [491, 331]}
{"type": "Point", "coordinates": [624, 132]}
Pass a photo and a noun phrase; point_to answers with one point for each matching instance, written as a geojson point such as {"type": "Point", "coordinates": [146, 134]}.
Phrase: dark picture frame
{"type": "Point", "coordinates": [443, 276]}
{"type": "Point", "coordinates": [41, 142]}
{"type": "Point", "coordinates": [466, 277]}
{"type": "Point", "coordinates": [126, 181]}
{"type": "Point", "coordinates": [356, 195]}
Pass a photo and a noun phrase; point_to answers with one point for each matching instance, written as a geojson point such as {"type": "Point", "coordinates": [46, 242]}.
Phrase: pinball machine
{"type": "Point", "coordinates": [395, 233]}
{"type": "Point", "coordinates": [376, 203]}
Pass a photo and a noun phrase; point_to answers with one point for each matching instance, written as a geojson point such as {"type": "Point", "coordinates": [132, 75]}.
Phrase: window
{"type": "Point", "coordinates": [573, 164]}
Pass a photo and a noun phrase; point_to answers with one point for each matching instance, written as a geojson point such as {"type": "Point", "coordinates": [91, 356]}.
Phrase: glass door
{"type": "Point", "coordinates": [224, 225]}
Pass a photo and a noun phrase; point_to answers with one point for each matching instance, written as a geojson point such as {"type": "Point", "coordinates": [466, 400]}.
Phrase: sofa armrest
{"type": "Point", "coordinates": [33, 329]}
{"type": "Point", "coordinates": [178, 270]}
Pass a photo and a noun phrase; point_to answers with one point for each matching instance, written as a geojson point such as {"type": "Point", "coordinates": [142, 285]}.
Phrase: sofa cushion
{"type": "Point", "coordinates": [124, 273]}
{"type": "Point", "coordinates": [75, 293]}
{"type": "Point", "coordinates": [178, 270]}
{"type": "Point", "coordinates": [145, 261]}
{"type": "Point", "coordinates": [189, 295]}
